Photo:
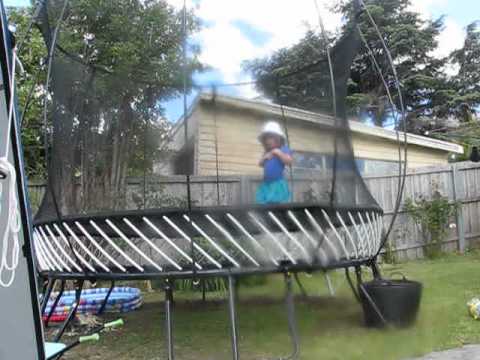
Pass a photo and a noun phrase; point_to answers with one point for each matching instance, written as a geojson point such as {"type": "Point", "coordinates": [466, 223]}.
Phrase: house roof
{"type": "Point", "coordinates": [268, 108]}
{"type": "Point", "coordinates": [357, 127]}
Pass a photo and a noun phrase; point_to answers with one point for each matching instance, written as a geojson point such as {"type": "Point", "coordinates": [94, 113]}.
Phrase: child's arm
{"type": "Point", "coordinates": [267, 156]}
{"type": "Point", "coordinates": [284, 157]}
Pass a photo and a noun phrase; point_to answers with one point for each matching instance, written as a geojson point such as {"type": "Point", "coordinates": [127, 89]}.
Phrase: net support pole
{"type": "Point", "coordinates": [73, 310]}
{"type": "Point", "coordinates": [169, 319]}
{"type": "Point", "coordinates": [233, 316]}
{"type": "Point", "coordinates": [292, 322]}
{"type": "Point", "coordinates": [105, 301]}
{"type": "Point", "coordinates": [55, 303]}
{"type": "Point", "coordinates": [46, 295]}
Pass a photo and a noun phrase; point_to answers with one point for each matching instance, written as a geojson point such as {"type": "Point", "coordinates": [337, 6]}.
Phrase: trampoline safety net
{"type": "Point", "coordinates": [156, 163]}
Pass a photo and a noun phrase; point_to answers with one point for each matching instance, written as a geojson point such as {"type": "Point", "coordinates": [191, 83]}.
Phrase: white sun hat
{"type": "Point", "coordinates": [271, 127]}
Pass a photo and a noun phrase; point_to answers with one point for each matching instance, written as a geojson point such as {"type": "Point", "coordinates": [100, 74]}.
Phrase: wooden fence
{"type": "Point", "coordinates": [459, 182]}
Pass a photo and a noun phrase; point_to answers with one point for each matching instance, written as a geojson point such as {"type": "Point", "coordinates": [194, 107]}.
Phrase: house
{"type": "Point", "coordinates": [223, 130]}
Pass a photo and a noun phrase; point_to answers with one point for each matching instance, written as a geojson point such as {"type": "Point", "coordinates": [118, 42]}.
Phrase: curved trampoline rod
{"type": "Point", "coordinates": [38, 256]}
{"type": "Point", "coordinates": [115, 246]}
{"type": "Point", "coordinates": [372, 229]}
{"type": "Point", "coordinates": [290, 236]}
{"type": "Point", "coordinates": [46, 258]}
{"type": "Point", "coordinates": [363, 246]}
{"type": "Point", "coordinates": [367, 234]}
{"type": "Point", "coordinates": [40, 251]}
{"type": "Point", "coordinates": [275, 240]}
{"type": "Point", "coordinates": [76, 253]}
{"type": "Point", "coordinates": [169, 241]}
{"type": "Point", "coordinates": [65, 254]}
{"type": "Point", "coordinates": [377, 230]}
{"type": "Point", "coordinates": [314, 243]}
{"type": "Point", "coordinates": [84, 248]}
{"type": "Point", "coordinates": [194, 244]}
{"type": "Point", "coordinates": [132, 245]}
{"type": "Point", "coordinates": [232, 240]}
{"type": "Point", "coordinates": [251, 237]}
{"type": "Point", "coordinates": [349, 234]}
{"type": "Point", "coordinates": [149, 242]}
{"type": "Point", "coordinates": [381, 227]}
{"type": "Point", "coordinates": [49, 256]}
{"type": "Point", "coordinates": [99, 248]}
{"type": "Point", "coordinates": [322, 234]}
{"type": "Point", "coordinates": [334, 229]}
{"type": "Point", "coordinates": [53, 250]}
{"type": "Point", "coordinates": [403, 176]}
{"type": "Point", "coordinates": [211, 241]}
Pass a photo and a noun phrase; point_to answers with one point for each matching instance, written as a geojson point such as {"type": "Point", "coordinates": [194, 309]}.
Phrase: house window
{"type": "Point", "coordinates": [306, 162]}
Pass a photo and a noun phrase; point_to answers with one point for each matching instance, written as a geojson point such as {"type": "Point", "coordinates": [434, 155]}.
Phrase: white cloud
{"type": "Point", "coordinates": [453, 35]}
{"type": "Point", "coordinates": [225, 46]}
{"type": "Point", "coordinates": [425, 7]}
{"type": "Point", "coordinates": [451, 38]}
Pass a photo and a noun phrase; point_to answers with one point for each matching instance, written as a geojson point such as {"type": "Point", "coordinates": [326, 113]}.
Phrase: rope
{"type": "Point", "coordinates": [195, 279]}
{"type": "Point", "coordinates": [334, 102]}
{"type": "Point", "coordinates": [285, 126]}
{"type": "Point", "coordinates": [10, 240]}
{"type": "Point", "coordinates": [217, 166]}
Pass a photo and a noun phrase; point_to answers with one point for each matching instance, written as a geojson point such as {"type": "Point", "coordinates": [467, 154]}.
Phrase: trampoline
{"type": "Point", "coordinates": [101, 118]}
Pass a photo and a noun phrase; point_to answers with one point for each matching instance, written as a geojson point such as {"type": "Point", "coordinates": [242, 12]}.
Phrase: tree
{"type": "Point", "coordinates": [459, 99]}
{"type": "Point", "coordinates": [114, 64]}
{"type": "Point", "coordinates": [307, 87]}
{"type": "Point", "coordinates": [29, 85]}
{"type": "Point", "coordinates": [411, 41]}
{"type": "Point", "coordinates": [465, 95]}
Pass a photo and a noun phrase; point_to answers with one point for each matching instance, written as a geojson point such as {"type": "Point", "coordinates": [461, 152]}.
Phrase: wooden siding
{"type": "Point", "coordinates": [235, 139]}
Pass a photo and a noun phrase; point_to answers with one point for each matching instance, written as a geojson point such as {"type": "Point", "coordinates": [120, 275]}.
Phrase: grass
{"type": "Point", "coordinates": [330, 327]}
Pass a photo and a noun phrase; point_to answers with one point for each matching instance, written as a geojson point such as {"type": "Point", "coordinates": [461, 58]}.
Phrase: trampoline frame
{"type": "Point", "coordinates": [103, 226]}
{"type": "Point", "coordinates": [56, 272]}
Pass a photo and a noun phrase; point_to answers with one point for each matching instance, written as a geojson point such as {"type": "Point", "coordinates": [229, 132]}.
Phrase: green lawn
{"type": "Point", "coordinates": [330, 328]}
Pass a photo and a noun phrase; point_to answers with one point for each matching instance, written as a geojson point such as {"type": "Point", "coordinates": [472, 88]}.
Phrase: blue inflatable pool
{"type": "Point", "coordinates": [122, 299]}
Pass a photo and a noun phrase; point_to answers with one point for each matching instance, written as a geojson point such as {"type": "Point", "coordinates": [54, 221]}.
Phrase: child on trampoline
{"type": "Point", "coordinates": [274, 188]}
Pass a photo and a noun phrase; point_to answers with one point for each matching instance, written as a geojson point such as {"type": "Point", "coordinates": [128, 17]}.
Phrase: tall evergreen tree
{"type": "Point", "coordinates": [411, 41]}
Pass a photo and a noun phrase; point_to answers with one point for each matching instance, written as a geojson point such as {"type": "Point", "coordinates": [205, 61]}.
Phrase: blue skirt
{"type": "Point", "coordinates": [273, 192]}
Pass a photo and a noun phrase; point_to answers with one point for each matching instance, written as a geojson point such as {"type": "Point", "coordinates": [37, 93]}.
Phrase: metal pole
{"type": "Point", "coordinates": [330, 287]}
{"type": "Point", "coordinates": [105, 301]}
{"type": "Point", "coordinates": [292, 324]}
{"type": "Point", "coordinates": [46, 295]}
{"type": "Point", "coordinates": [55, 303]}
{"type": "Point", "coordinates": [169, 319]}
{"type": "Point", "coordinates": [73, 311]}
{"type": "Point", "coordinates": [459, 212]}
{"type": "Point", "coordinates": [233, 316]}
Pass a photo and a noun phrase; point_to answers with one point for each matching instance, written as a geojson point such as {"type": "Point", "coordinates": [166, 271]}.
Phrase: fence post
{"type": "Point", "coordinates": [459, 212]}
{"type": "Point", "coordinates": [244, 189]}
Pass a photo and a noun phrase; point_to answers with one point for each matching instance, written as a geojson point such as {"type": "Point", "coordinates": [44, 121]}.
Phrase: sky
{"type": "Point", "coordinates": [238, 30]}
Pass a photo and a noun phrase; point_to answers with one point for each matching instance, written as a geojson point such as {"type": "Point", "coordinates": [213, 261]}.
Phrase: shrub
{"type": "Point", "coordinates": [432, 216]}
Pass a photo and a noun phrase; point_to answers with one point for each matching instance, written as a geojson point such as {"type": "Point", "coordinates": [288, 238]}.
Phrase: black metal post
{"type": "Point", "coordinates": [46, 295]}
{"type": "Point", "coordinates": [372, 303]}
{"type": "Point", "coordinates": [73, 311]}
{"type": "Point", "coordinates": [233, 316]}
{"type": "Point", "coordinates": [292, 323]}
{"type": "Point", "coordinates": [300, 285]}
{"type": "Point", "coordinates": [350, 282]}
{"type": "Point", "coordinates": [375, 269]}
{"type": "Point", "coordinates": [358, 273]}
{"type": "Point", "coordinates": [169, 319]}
{"type": "Point", "coordinates": [105, 301]}
{"type": "Point", "coordinates": [55, 303]}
